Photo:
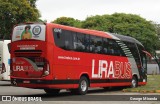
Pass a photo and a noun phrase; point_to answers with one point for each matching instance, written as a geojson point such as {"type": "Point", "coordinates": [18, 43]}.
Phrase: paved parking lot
{"type": "Point", "coordinates": [95, 96]}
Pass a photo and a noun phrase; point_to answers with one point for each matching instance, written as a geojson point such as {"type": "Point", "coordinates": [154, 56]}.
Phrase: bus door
{"type": "Point", "coordinates": [143, 58]}
{"type": "Point", "coordinates": [144, 62]}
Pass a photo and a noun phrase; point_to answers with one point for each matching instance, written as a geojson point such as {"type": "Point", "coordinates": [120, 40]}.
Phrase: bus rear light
{"type": "Point", "coordinates": [46, 73]}
{"type": "Point", "coordinates": [46, 69]}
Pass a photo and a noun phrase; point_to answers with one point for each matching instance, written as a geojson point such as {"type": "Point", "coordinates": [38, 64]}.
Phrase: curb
{"type": "Point", "coordinates": [142, 91]}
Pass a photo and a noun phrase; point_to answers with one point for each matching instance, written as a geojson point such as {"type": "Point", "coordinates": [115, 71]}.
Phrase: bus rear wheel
{"type": "Point", "coordinates": [134, 82]}
{"type": "Point", "coordinates": [52, 91]}
{"type": "Point", "coordinates": [83, 85]}
{"type": "Point", "coordinates": [82, 88]}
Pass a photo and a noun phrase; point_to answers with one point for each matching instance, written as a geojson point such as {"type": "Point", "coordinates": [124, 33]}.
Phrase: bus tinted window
{"type": "Point", "coordinates": [105, 46]}
{"type": "Point", "coordinates": [117, 49]}
{"type": "Point", "coordinates": [95, 44]}
{"type": "Point", "coordinates": [63, 39]}
{"type": "Point", "coordinates": [59, 38]}
{"type": "Point", "coordinates": [87, 43]}
{"type": "Point", "coordinates": [80, 42]}
{"type": "Point", "coordinates": [68, 41]}
{"type": "Point", "coordinates": [111, 47]}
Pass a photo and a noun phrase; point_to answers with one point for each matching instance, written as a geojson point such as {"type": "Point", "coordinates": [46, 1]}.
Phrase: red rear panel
{"type": "Point", "coordinates": [28, 51]}
{"type": "Point", "coordinates": [28, 63]}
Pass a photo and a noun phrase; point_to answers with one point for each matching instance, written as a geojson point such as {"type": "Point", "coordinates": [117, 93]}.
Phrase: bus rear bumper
{"type": "Point", "coordinates": [42, 84]}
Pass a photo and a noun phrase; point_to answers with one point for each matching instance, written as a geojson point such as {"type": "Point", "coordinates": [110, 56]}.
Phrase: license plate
{"type": "Point", "coordinates": [26, 81]}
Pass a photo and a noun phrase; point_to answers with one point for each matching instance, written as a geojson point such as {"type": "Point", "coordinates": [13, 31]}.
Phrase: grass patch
{"type": "Point", "coordinates": [152, 86]}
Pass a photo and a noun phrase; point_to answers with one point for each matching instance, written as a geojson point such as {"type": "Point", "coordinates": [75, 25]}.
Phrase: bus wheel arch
{"type": "Point", "coordinates": [86, 75]}
{"type": "Point", "coordinates": [134, 82]}
{"type": "Point", "coordinates": [83, 85]}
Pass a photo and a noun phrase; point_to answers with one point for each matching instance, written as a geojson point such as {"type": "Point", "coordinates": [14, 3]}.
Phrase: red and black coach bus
{"type": "Point", "coordinates": [53, 57]}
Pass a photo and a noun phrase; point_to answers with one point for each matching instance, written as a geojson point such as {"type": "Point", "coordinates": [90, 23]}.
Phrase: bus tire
{"type": "Point", "coordinates": [52, 91]}
{"type": "Point", "coordinates": [83, 86]}
{"type": "Point", "coordinates": [134, 82]}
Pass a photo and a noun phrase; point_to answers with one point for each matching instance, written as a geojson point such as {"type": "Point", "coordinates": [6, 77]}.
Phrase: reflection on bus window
{"type": "Point", "coordinates": [80, 42]}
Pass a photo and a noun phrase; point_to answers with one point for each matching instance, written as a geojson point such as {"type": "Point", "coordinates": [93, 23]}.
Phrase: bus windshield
{"type": "Point", "coordinates": [29, 31]}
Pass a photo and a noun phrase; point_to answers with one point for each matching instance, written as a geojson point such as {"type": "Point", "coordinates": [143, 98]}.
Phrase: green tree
{"type": "Point", "coordinates": [126, 24]}
{"type": "Point", "coordinates": [16, 11]}
{"type": "Point", "coordinates": [98, 22]}
{"type": "Point", "coordinates": [157, 26]}
{"type": "Point", "coordinates": [32, 3]}
{"type": "Point", "coordinates": [68, 21]}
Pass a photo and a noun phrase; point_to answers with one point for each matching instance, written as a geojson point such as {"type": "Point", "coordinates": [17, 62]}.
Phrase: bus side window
{"type": "Point", "coordinates": [96, 44]}
{"type": "Point", "coordinates": [68, 41]}
{"type": "Point", "coordinates": [87, 43]}
{"type": "Point", "coordinates": [63, 39]}
{"type": "Point", "coordinates": [92, 44]}
{"type": "Point", "coordinates": [117, 49]}
{"type": "Point", "coordinates": [105, 46]}
{"type": "Point", "coordinates": [58, 35]}
{"type": "Point", "coordinates": [78, 41]}
{"type": "Point", "coordinates": [111, 47]}
{"type": "Point", "coordinates": [75, 44]}
{"type": "Point", "coordinates": [59, 38]}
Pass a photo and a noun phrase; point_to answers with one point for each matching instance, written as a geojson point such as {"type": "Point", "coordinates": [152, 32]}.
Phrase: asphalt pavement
{"type": "Point", "coordinates": [94, 96]}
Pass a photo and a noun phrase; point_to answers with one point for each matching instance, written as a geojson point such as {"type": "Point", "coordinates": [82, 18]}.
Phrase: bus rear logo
{"type": "Point", "coordinates": [36, 30]}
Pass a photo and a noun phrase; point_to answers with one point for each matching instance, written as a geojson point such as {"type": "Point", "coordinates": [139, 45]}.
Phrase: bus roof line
{"type": "Point", "coordinates": [127, 39]}
{"type": "Point", "coordinates": [32, 23]}
{"type": "Point", "coordinates": [85, 31]}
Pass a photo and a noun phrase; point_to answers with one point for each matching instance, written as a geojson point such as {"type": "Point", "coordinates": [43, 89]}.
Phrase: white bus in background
{"type": "Point", "coordinates": [152, 66]}
{"type": "Point", "coordinates": [4, 60]}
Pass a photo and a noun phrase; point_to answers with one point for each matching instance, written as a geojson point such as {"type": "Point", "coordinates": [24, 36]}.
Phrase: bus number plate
{"type": "Point", "coordinates": [26, 81]}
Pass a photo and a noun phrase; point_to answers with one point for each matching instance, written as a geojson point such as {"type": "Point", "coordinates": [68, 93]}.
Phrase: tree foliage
{"type": "Point", "coordinates": [32, 3]}
{"type": "Point", "coordinates": [120, 23]}
{"type": "Point", "coordinates": [157, 26]}
{"type": "Point", "coordinates": [16, 11]}
{"type": "Point", "coordinates": [68, 21]}
{"type": "Point", "coordinates": [126, 24]}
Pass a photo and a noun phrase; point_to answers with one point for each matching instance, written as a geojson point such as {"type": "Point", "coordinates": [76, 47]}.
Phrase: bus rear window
{"type": "Point", "coordinates": [29, 31]}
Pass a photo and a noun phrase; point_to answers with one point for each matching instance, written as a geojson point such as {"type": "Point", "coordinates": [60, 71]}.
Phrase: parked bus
{"type": "Point", "coordinates": [54, 57]}
{"type": "Point", "coordinates": [152, 66]}
{"type": "Point", "coordinates": [4, 60]}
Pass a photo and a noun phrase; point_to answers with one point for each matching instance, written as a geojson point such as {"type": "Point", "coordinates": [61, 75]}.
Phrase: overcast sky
{"type": "Point", "coordinates": [81, 9]}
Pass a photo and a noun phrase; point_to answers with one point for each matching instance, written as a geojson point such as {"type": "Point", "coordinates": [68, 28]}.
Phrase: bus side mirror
{"type": "Point", "coordinates": [147, 53]}
{"type": "Point", "coordinates": [9, 47]}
